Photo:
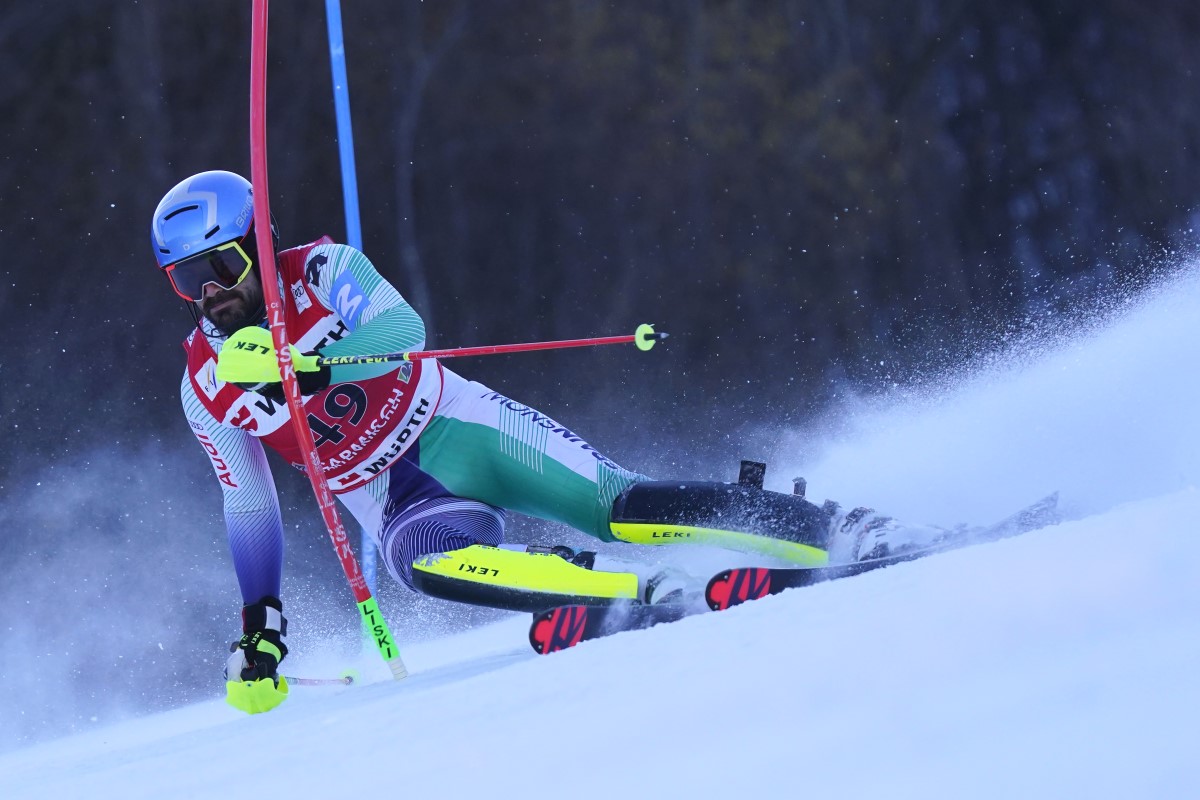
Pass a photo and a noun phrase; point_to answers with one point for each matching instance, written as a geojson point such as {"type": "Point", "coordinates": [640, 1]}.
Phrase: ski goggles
{"type": "Point", "coordinates": [226, 266]}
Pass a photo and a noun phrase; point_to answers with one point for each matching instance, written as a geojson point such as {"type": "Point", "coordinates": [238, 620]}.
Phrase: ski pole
{"type": "Point", "coordinates": [344, 680]}
{"type": "Point", "coordinates": [644, 337]}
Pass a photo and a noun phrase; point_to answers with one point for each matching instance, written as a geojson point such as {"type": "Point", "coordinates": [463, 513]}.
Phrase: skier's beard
{"type": "Point", "coordinates": [236, 309]}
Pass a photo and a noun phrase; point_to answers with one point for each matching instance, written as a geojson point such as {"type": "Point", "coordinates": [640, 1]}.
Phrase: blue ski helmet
{"type": "Point", "coordinates": [202, 232]}
{"type": "Point", "coordinates": [200, 213]}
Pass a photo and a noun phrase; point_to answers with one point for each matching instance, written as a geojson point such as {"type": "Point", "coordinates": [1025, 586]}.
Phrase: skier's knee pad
{"type": "Point", "coordinates": [660, 512]}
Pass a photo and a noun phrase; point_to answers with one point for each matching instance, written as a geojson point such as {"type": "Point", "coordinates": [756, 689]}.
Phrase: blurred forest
{"type": "Point", "coordinates": [813, 198]}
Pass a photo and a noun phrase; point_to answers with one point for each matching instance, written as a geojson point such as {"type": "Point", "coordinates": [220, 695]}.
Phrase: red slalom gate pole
{"type": "Point", "coordinates": [367, 605]}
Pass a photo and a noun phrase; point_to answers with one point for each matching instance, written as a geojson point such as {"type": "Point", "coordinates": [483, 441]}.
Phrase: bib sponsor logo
{"type": "Point", "coordinates": [398, 446]}
{"type": "Point", "coordinates": [258, 415]}
{"type": "Point", "coordinates": [381, 460]}
{"type": "Point", "coordinates": [207, 379]}
{"type": "Point", "coordinates": [301, 297]}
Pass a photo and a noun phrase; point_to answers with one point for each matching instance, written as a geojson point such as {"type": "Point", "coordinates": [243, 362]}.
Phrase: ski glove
{"type": "Point", "coordinates": [252, 682]}
{"type": "Point", "coordinates": [310, 383]}
{"type": "Point", "coordinates": [248, 360]}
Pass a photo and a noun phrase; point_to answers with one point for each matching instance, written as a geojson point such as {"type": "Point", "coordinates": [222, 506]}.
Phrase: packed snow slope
{"type": "Point", "coordinates": [1061, 663]}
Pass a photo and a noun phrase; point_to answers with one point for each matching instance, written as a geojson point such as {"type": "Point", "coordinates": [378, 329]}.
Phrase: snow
{"type": "Point", "coordinates": [1057, 664]}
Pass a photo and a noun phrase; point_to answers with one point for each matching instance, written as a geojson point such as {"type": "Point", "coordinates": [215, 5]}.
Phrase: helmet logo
{"type": "Point", "coordinates": [247, 210]}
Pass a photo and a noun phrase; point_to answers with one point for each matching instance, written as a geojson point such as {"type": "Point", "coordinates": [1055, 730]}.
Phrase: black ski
{"type": "Point", "coordinates": [566, 626]}
{"type": "Point", "coordinates": [735, 586]}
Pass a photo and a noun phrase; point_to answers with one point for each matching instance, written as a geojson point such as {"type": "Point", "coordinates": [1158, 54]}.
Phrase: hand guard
{"type": "Point", "coordinates": [248, 360]}
{"type": "Point", "coordinates": [252, 683]}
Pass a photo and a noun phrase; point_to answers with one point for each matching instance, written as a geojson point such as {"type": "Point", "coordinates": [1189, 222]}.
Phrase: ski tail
{"type": "Point", "coordinates": [563, 627]}
{"type": "Point", "coordinates": [558, 628]}
{"type": "Point", "coordinates": [736, 586]}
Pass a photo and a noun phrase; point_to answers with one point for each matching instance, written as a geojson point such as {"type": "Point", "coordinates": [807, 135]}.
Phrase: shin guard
{"type": "Point", "coordinates": [734, 516]}
{"type": "Point", "coordinates": [517, 580]}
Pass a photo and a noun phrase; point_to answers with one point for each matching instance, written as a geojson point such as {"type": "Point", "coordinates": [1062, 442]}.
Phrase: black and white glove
{"type": "Point", "coordinates": [261, 649]}
{"type": "Point", "coordinates": [310, 383]}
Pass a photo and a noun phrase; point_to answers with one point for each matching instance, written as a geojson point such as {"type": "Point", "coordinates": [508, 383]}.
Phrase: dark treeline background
{"type": "Point", "coordinates": [813, 198]}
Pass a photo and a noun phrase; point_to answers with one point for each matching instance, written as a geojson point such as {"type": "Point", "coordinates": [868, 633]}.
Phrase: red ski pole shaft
{"type": "Point", "coordinates": [644, 338]}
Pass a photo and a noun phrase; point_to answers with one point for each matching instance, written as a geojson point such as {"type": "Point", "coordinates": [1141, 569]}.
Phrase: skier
{"type": "Point", "coordinates": [425, 460]}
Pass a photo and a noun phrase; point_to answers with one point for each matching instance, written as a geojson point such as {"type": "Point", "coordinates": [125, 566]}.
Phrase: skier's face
{"type": "Point", "coordinates": [233, 309]}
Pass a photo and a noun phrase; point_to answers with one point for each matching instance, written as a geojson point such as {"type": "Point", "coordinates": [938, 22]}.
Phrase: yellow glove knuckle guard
{"type": "Point", "coordinates": [248, 356]}
{"type": "Point", "coordinates": [304, 363]}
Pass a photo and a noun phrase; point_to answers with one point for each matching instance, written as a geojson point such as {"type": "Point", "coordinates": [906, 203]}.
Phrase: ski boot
{"type": "Point", "coordinates": [861, 534]}
{"type": "Point", "coordinates": [664, 584]}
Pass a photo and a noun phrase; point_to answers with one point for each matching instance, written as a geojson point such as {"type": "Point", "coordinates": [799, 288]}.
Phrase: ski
{"type": "Point", "coordinates": [566, 626]}
{"type": "Point", "coordinates": [736, 586]}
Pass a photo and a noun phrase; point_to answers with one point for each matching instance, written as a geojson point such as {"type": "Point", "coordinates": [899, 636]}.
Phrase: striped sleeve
{"type": "Point", "coordinates": [252, 519]}
{"type": "Point", "coordinates": [379, 319]}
